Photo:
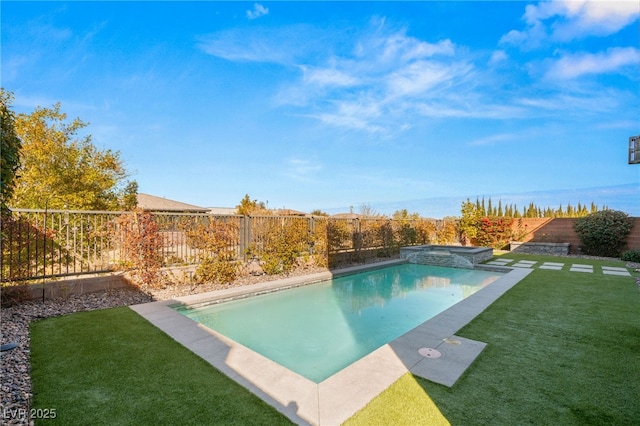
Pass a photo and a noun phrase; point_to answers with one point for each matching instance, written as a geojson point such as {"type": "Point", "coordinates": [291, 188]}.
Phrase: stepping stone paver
{"type": "Point", "coordinates": [500, 261]}
{"type": "Point", "coordinates": [557, 266]}
{"type": "Point", "coordinates": [578, 267]}
{"type": "Point", "coordinates": [614, 270]}
{"type": "Point", "coordinates": [524, 264]}
{"type": "Point", "coordinates": [552, 265]}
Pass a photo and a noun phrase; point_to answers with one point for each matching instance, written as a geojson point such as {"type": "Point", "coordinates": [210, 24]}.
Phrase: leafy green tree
{"type": "Point", "coordinates": [130, 196]}
{"type": "Point", "coordinates": [468, 225]}
{"type": "Point", "coordinates": [61, 170]}
{"type": "Point", "coordinates": [10, 149]}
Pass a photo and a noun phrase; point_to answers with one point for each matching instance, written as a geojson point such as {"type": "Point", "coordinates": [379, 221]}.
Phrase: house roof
{"type": "Point", "coordinates": [289, 212]}
{"type": "Point", "coordinates": [223, 210]}
{"type": "Point", "coordinates": [346, 216]}
{"type": "Point", "coordinates": [159, 204]}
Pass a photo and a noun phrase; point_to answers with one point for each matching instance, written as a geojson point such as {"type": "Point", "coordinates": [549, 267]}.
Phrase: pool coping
{"type": "Point", "coordinates": [340, 396]}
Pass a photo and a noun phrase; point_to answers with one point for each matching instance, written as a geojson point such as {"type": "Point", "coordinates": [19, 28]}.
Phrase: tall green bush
{"type": "Point", "coordinates": [604, 233]}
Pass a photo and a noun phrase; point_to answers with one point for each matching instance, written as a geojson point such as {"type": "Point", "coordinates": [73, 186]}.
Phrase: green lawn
{"type": "Point", "coordinates": [563, 348]}
{"type": "Point", "coordinates": [112, 367]}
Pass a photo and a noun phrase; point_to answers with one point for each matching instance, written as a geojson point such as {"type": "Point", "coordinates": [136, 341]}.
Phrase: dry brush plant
{"type": "Point", "coordinates": [286, 240]}
{"type": "Point", "coordinates": [141, 245]}
{"type": "Point", "coordinates": [216, 240]}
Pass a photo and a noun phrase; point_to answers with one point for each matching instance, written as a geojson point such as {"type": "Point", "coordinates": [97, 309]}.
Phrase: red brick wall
{"type": "Point", "coordinates": [560, 230]}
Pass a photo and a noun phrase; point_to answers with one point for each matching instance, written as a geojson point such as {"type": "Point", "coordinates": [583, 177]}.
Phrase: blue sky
{"type": "Point", "coordinates": [326, 105]}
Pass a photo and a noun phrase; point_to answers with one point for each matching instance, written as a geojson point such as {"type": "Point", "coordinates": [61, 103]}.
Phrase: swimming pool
{"type": "Point", "coordinates": [319, 329]}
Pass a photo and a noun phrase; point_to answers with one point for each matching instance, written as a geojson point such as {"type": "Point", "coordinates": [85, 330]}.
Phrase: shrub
{"type": "Point", "coordinates": [495, 232]}
{"type": "Point", "coordinates": [386, 236]}
{"type": "Point", "coordinates": [631, 256]}
{"type": "Point", "coordinates": [604, 233]}
{"type": "Point", "coordinates": [286, 241]}
{"type": "Point", "coordinates": [216, 239]}
{"type": "Point", "coordinates": [426, 231]}
{"type": "Point", "coordinates": [221, 269]}
{"type": "Point", "coordinates": [447, 232]}
{"type": "Point", "coordinates": [141, 247]}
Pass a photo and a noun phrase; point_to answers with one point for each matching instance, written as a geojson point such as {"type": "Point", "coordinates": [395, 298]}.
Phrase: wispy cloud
{"type": "Point", "coordinates": [263, 44]}
{"type": "Point", "coordinates": [576, 65]}
{"type": "Point", "coordinates": [257, 11]}
{"type": "Point", "coordinates": [372, 86]}
{"type": "Point", "coordinates": [301, 169]}
{"type": "Point", "coordinates": [328, 77]}
{"type": "Point", "coordinates": [381, 80]}
{"type": "Point", "coordinates": [495, 139]}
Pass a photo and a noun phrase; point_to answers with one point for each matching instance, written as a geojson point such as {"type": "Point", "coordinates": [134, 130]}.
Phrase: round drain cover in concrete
{"type": "Point", "coordinates": [429, 352]}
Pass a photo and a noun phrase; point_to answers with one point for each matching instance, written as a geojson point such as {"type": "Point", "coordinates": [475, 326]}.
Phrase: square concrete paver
{"type": "Point", "coordinates": [500, 262]}
{"type": "Point", "coordinates": [455, 355]}
{"type": "Point", "coordinates": [552, 265]}
{"type": "Point", "coordinates": [524, 264]}
{"type": "Point", "coordinates": [614, 270]}
{"type": "Point", "coordinates": [578, 267]}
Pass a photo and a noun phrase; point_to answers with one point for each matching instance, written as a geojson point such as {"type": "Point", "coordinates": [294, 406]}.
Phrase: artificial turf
{"type": "Point", "coordinates": [562, 348]}
{"type": "Point", "coordinates": [112, 367]}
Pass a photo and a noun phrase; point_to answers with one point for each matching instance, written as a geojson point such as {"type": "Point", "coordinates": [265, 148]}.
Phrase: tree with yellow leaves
{"type": "Point", "coordinates": [61, 170]}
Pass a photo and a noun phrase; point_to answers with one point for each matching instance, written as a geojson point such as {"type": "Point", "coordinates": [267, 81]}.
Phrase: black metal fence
{"type": "Point", "coordinates": [39, 244]}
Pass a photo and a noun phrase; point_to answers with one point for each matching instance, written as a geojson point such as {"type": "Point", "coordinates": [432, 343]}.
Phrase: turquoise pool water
{"type": "Point", "coordinates": [319, 329]}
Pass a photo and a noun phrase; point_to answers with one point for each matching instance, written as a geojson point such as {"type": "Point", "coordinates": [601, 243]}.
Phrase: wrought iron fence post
{"type": "Point", "coordinates": [44, 251]}
{"type": "Point", "coordinates": [245, 235]}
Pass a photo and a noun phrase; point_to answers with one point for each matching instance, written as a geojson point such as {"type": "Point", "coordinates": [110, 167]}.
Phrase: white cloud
{"type": "Point", "coordinates": [382, 81]}
{"type": "Point", "coordinates": [498, 56]}
{"type": "Point", "coordinates": [576, 65]}
{"type": "Point", "coordinates": [258, 11]}
{"type": "Point", "coordinates": [328, 76]}
{"type": "Point", "coordinates": [566, 20]}
{"type": "Point", "coordinates": [373, 86]}
{"type": "Point", "coordinates": [596, 17]}
{"type": "Point", "coordinates": [419, 77]}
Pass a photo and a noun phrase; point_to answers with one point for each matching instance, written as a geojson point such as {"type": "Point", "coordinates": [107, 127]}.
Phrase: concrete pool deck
{"type": "Point", "coordinates": [339, 397]}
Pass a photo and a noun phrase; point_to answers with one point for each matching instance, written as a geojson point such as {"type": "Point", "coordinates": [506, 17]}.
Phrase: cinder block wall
{"type": "Point", "coordinates": [561, 230]}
